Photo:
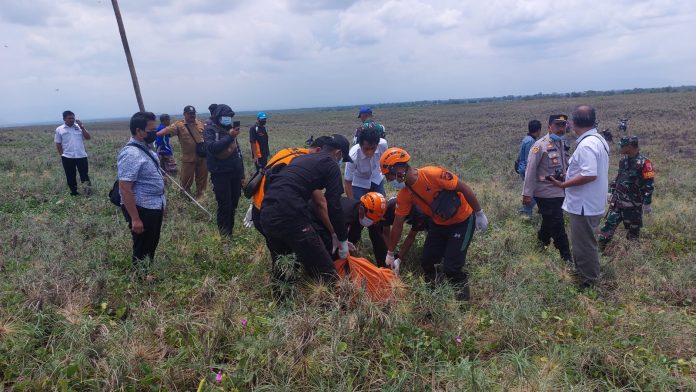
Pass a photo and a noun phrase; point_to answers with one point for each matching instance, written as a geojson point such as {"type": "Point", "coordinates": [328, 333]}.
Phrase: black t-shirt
{"type": "Point", "coordinates": [416, 218]}
{"type": "Point", "coordinates": [289, 190]}
{"type": "Point", "coordinates": [259, 136]}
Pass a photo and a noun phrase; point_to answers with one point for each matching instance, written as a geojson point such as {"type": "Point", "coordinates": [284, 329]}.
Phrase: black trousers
{"type": "Point", "coordinates": [256, 218]}
{"type": "Point", "coordinates": [145, 244]}
{"type": "Point", "coordinates": [450, 243]}
{"type": "Point", "coordinates": [227, 188]}
{"type": "Point", "coordinates": [70, 166]}
{"type": "Point", "coordinates": [300, 238]}
{"type": "Point", "coordinates": [552, 225]}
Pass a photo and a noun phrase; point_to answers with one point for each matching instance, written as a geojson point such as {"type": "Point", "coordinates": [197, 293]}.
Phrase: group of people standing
{"type": "Point", "coordinates": [299, 208]}
{"type": "Point", "coordinates": [556, 181]}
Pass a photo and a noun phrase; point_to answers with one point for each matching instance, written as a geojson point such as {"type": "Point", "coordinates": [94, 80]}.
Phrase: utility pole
{"type": "Point", "coordinates": [129, 58]}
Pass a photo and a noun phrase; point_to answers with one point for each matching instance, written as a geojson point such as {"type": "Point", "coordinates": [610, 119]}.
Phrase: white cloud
{"type": "Point", "coordinates": [294, 53]}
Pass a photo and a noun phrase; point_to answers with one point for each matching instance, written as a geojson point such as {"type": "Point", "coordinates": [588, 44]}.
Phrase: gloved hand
{"type": "Point", "coordinates": [481, 221]}
{"type": "Point", "coordinates": [334, 243]}
{"type": "Point", "coordinates": [397, 265]}
{"type": "Point", "coordinates": [390, 258]}
{"type": "Point", "coordinates": [248, 221]}
{"type": "Point", "coordinates": [647, 208]}
{"type": "Point", "coordinates": [351, 247]}
{"type": "Point", "coordinates": [343, 249]}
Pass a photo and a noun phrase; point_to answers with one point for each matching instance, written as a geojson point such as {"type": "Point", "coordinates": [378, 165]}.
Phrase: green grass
{"type": "Point", "coordinates": [74, 317]}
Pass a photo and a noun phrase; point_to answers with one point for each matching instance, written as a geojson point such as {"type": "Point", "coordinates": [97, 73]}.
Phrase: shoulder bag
{"type": "Point", "coordinates": [445, 204]}
{"type": "Point", "coordinates": [200, 146]}
{"type": "Point", "coordinates": [114, 195]}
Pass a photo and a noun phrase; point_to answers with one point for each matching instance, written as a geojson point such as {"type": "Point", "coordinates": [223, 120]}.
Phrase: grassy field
{"type": "Point", "coordinates": [73, 316]}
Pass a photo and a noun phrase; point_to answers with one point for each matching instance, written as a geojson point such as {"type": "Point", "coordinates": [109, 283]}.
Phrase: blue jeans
{"type": "Point", "coordinates": [527, 210]}
{"type": "Point", "coordinates": [359, 192]}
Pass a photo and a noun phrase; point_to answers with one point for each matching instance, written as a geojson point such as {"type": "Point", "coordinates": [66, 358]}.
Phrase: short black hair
{"type": "Point", "coordinates": [584, 116]}
{"type": "Point", "coordinates": [164, 116]}
{"type": "Point", "coordinates": [320, 141]}
{"type": "Point", "coordinates": [139, 120]}
{"type": "Point", "coordinates": [212, 107]}
{"type": "Point", "coordinates": [368, 135]}
{"type": "Point", "coordinates": [533, 126]}
{"type": "Point", "coordinates": [67, 113]}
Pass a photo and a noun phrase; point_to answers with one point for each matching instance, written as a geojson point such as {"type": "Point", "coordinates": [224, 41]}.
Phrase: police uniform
{"type": "Point", "coordinates": [631, 190]}
{"type": "Point", "coordinates": [548, 157]}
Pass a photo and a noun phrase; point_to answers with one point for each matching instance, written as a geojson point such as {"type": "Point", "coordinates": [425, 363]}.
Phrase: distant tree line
{"type": "Point", "coordinates": [507, 98]}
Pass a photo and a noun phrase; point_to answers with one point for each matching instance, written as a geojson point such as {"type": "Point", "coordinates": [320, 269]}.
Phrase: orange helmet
{"type": "Point", "coordinates": [391, 157]}
{"type": "Point", "coordinates": [375, 205]}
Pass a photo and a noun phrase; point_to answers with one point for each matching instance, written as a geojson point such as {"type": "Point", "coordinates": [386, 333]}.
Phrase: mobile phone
{"type": "Point", "coordinates": [236, 124]}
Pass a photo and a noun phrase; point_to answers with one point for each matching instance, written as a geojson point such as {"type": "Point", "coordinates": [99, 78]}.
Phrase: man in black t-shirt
{"type": "Point", "coordinates": [287, 222]}
{"type": "Point", "coordinates": [258, 137]}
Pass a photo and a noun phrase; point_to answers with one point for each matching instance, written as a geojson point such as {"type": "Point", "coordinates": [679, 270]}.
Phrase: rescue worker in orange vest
{"type": "Point", "coordinates": [277, 162]}
{"type": "Point", "coordinates": [366, 212]}
{"type": "Point", "coordinates": [418, 221]}
{"type": "Point", "coordinates": [449, 202]}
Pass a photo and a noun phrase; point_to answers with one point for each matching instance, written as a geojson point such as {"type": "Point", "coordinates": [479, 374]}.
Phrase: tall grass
{"type": "Point", "coordinates": [73, 316]}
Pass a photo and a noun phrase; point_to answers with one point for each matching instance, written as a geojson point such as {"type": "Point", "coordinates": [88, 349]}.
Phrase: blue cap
{"type": "Point", "coordinates": [364, 110]}
{"type": "Point", "coordinates": [262, 116]}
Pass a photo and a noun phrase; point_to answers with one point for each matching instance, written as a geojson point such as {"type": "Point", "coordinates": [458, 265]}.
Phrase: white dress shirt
{"type": "Point", "coordinates": [364, 171]}
{"type": "Point", "coordinates": [72, 141]}
{"type": "Point", "coordinates": [591, 158]}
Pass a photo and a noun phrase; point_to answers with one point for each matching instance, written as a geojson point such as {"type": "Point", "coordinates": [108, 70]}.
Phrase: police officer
{"type": "Point", "coordinates": [630, 193]}
{"type": "Point", "coordinates": [549, 158]}
{"type": "Point", "coordinates": [285, 217]}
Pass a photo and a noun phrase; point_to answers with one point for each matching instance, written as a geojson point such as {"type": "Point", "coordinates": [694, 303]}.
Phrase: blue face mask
{"type": "Point", "coordinates": [397, 185]}
{"type": "Point", "coordinates": [555, 137]}
{"type": "Point", "coordinates": [226, 121]}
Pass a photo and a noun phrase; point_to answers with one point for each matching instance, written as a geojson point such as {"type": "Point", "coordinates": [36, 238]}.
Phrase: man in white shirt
{"type": "Point", "coordinates": [585, 187]}
{"type": "Point", "coordinates": [69, 139]}
{"type": "Point", "coordinates": [364, 175]}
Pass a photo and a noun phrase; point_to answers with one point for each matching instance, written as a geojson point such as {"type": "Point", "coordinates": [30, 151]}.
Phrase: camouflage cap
{"type": "Point", "coordinates": [626, 140]}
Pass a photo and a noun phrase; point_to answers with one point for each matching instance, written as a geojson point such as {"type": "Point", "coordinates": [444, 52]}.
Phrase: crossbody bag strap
{"type": "Point", "coordinates": [280, 159]}
{"type": "Point", "coordinates": [418, 196]}
{"type": "Point", "coordinates": [601, 140]}
{"type": "Point", "coordinates": [191, 133]}
{"type": "Point", "coordinates": [138, 146]}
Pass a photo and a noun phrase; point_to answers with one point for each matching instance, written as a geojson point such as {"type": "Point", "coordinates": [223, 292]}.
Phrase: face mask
{"type": "Point", "coordinates": [366, 222]}
{"type": "Point", "coordinates": [151, 136]}
{"type": "Point", "coordinates": [226, 121]}
{"type": "Point", "coordinates": [397, 185]}
{"type": "Point", "coordinates": [339, 161]}
{"type": "Point", "coordinates": [555, 137]}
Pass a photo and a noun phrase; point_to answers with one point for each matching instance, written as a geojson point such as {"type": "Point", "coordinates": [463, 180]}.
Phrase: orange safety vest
{"type": "Point", "coordinates": [282, 157]}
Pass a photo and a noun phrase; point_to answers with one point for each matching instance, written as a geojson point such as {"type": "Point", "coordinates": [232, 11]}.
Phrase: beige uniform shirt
{"type": "Point", "coordinates": [544, 158]}
{"type": "Point", "coordinates": [188, 144]}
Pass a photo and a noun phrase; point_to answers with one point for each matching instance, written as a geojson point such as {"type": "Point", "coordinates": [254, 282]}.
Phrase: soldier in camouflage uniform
{"type": "Point", "coordinates": [631, 192]}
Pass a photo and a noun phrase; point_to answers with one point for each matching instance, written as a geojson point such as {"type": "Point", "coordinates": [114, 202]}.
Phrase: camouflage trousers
{"type": "Point", "coordinates": [632, 219]}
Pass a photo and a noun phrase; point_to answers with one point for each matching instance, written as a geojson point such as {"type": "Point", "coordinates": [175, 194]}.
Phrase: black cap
{"type": "Point", "coordinates": [189, 109]}
{"type": "Point", "coordinates": [341, 143]}
{"type": "Point", "coordinates": [222, 110]}
{"type": "Point", "coordinates": [558, 117]}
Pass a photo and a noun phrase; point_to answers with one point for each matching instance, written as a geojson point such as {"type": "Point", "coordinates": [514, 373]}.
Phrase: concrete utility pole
{"type": "Point", "coordinates": [129, 58]}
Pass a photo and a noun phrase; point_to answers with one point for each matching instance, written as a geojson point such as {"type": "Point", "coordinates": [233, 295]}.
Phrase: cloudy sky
{"type": "Point", "coordinates": [266, 54]}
